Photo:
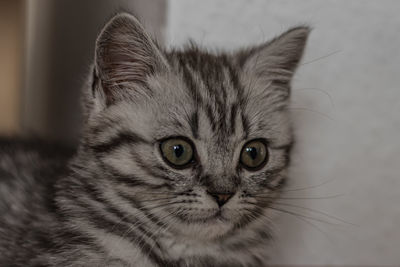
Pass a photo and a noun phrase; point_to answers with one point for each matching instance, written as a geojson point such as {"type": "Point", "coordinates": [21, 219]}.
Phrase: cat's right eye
{"type": "Point", "coordinates": [177, 152]}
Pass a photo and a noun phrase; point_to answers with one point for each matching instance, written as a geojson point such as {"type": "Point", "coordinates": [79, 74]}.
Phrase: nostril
{"type": "Point", "coordinates": [221, 198]}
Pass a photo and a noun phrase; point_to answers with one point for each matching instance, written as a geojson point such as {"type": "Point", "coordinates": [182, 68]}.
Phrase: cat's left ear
{"type": "Point", "coordinates": [277, 59]}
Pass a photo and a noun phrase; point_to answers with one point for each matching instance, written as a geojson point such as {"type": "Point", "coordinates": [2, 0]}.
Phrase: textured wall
{"type": "Point", "coordinates": [347, 114]}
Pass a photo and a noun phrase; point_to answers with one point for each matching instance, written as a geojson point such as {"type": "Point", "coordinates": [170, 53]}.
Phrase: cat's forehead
{"type": "Point", "coordinates": [195, 102]}
{"type": "Point", "coordinates": [204, 93]}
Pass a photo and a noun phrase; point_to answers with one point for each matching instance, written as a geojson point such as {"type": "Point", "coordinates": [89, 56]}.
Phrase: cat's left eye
{"type": "Point", "coordinates": [177, 152]}
{"type": "Point", "coordinates": [254, 155]}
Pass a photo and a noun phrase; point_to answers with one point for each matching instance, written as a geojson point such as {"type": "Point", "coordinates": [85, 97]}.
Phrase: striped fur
{"type": "Point", "coordinates": [119, 203]}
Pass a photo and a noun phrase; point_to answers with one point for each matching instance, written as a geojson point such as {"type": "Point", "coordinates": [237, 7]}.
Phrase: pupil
{"type": "Point", "coordinates": [252, 152]}
{"type": "Point", "coordinates": [178, 149]}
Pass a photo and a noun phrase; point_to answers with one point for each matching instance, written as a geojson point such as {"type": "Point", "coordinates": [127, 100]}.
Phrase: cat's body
{"type": "Point", "coordinates": [129, 197]}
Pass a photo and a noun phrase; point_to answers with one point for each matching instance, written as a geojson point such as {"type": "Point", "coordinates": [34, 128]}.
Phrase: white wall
{"type": "Point", "coordinates": [353, 142]}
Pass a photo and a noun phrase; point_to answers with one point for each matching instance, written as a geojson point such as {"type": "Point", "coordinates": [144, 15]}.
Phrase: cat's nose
{"type": "Point", "coordinates": [221, 198]}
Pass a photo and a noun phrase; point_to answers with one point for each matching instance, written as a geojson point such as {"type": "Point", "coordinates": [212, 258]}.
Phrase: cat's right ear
{"type": "Point", "coordinates": [125, 57]}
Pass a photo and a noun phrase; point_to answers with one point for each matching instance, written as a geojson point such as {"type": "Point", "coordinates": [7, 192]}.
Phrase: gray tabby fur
{"type": "Point", "coordinates": [118, 203]}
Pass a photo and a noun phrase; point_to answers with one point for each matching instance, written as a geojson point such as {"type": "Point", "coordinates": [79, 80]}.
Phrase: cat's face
{"type": "Point", "coordinates": [200, 141]}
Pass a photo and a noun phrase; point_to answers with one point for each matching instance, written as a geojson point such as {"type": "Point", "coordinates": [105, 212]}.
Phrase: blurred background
{"type": "Point", "coordinates": [344, 191]}
{"type": "Point", "coordinates": [46, 49]}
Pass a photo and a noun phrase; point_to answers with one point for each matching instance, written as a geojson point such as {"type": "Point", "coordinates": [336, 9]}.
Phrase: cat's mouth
{"type": "Point", "coordinates": [218, 216]}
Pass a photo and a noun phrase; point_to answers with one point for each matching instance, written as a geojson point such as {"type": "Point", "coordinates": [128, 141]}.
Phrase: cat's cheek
{"type": "Point", "coordinates": [120, 160]}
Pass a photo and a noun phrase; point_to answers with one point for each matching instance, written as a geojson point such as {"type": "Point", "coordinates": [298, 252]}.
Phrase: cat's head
{"type": "Point", "coordinates": [198, 140]}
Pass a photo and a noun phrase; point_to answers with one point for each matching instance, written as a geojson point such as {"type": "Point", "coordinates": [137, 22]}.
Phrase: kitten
{"type": "Point", "coordinates": [182, 154]}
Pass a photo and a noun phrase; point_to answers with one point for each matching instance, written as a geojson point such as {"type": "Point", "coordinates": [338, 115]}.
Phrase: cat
{"type": "Point", "coordinates": [182, 153]}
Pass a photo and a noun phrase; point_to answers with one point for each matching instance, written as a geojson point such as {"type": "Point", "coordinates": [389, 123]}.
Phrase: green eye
{"type": "Point", "coordinates": [254, 155]}
{"type": "Point", "coordinates": [177, 152]}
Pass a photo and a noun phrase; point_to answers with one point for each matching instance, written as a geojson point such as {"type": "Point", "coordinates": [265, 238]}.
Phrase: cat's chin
{"type": "Point", "coordinates": [210, 229]}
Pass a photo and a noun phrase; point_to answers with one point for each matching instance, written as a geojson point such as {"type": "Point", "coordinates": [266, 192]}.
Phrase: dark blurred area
{"type": "Point", "coordinates": [46, 50]}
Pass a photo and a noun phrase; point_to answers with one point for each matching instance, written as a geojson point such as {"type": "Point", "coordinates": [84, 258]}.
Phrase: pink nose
{"type": "Point", "coordinates": [221, 198]}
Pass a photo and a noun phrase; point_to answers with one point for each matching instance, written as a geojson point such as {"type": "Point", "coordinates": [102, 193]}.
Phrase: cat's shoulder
{"type": "Point", "coordinates": [28, 171]}
{"type": "Point", "coordinates": [29, 167]}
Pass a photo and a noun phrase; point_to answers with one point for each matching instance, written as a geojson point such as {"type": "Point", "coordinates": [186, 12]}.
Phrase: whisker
{"type": "Point", "coordinates": [319, 58]}
{"type": "Point", "coordinates": [161, 228]}
{"type": "Point", "coordinates": [250, 216]}
{"type": "Point", "coordinates": [307, 187]}
{"type": "Point", "coordinates": [318, 90]}
{"type": "Point", "coordinates": [155, 193]}
{"type": "Point", "coordinates": [138, 223]}
{"type": "Point", "coordinates": [315, 211]}
{"type": "Point", "coordinates": [313, 111]}
{"type": "Point", "coordinates": [162, 204]}
{"type": "Point", "coordinates": [316, 227]}
{"type": "Point", "coordinates": [298, 198]}
{"type": "Point", "coordinates": [272, 227]}
{"type": "Point", "coordinates": [301, 215]}
{"type": "Point", "coordinates": [156, 199]}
